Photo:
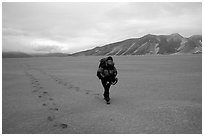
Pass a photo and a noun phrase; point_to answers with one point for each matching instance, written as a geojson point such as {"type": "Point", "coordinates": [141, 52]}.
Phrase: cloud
{"type": "Point", "coordinates": [16, 42]}
{"type": "Point", "coordinates": [46, 45]}
{"type": "Point", "coordinates": [49, 49]}
{"type": "Point", "coordinates": [137, 19]}
{"type": "Point", "coordinates": [71, 27]}
{"type": "Point", "coordinates": [153, 10]}
{"type": "Point", "coordinates": [16, 39]}
{"type": "Point", "coordinates": [14, 32]}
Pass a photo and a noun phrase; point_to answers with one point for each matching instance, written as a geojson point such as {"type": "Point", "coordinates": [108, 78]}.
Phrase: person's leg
{"type": "Point", "coordinates": [106, 92]}
{"type": "Point", "coordinates": [106, 89]}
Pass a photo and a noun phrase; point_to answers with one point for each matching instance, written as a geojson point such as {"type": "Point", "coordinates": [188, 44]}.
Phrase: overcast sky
{"type": "Point", "coordinates": [72, 27]}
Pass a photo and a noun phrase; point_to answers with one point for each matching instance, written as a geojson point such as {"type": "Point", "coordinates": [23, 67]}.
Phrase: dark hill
{"type": "Point", "coordinates": [149, 44]}
{"type": "Point", "coordinates": [15, 55]}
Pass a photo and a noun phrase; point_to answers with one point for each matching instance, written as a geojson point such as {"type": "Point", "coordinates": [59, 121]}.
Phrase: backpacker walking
{"type": "Point", "coordinates": [107, 74]}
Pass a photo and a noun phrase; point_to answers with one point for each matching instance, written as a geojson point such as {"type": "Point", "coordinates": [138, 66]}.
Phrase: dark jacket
{"type": "Point", "coordinates": [106, 72]}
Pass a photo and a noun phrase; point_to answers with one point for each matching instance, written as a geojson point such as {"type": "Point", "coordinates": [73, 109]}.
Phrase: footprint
{"type": "Point", "coordinates": [98, 97]}
{"type": "Point", "coordinates": [50, 118]}
{"type": "Point", "coordinates": [35, 86]}
{"type": "Point", "coordinates": [34, 91]}
{"type": "Point", "coordinates": [70, 86]}
{"type": "Point", "coordinates": [51, 99]}
{"type": "Point", "coordinates": [60, 82]}
{"type": "Point", "coordinates": [40, 87]}
{"type": "Point", "coordinates": [54, 109]}
{"type": "Point", "coordinates": [54, 104]}
{"type": "Point", "coordinates": [61, 125]}
{"type": "Point", "coordinates": [76, 88]}
{"type": "Point", "coordinates": [44, 104]}
{"type": "Point", "coordinates": [88, 91]}
{"type": "Point", "coordinates": [97, 94]}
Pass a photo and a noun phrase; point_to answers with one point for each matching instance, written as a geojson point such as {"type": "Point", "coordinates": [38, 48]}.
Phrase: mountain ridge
{"type": "Point", "coordinates": [15, 54]}
{"type": "Point", "coordinates": [145, 45]}
{"type": "Point", "coordinates": [149, 44]}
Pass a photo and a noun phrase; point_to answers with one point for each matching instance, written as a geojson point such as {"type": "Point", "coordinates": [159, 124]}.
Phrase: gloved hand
{"type": "Point", "coordinates": [114, 82]}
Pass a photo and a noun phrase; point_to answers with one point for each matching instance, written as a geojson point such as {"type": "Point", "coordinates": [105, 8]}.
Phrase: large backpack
{"type": "Point", "coordinates": [103, 63]}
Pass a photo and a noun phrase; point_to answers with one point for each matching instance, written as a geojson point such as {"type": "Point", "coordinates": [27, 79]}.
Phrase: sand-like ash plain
{"type": "Point", "coordinates": [155, 94]}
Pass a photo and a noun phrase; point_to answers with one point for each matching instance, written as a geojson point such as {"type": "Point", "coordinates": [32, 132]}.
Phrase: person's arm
{"type": "Point", "coordinates": [100, 73]}
{"type": "Point", "coordinates": [115, 72]}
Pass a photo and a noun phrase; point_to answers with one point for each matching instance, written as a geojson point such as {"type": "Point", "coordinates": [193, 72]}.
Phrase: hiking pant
{"type": "Point", "coordinates": [106, 88]}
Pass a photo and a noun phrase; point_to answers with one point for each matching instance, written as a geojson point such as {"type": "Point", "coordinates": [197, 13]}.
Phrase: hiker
{"type": "Point", "coordinates": [107, 74]}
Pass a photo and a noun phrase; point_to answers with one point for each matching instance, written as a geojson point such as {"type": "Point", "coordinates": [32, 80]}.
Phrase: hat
{"type": "Point", "coordinates": [109, 58]}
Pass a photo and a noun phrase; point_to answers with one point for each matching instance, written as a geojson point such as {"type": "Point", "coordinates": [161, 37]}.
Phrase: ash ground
{"type": "Point", "coordinates": [155, 94]}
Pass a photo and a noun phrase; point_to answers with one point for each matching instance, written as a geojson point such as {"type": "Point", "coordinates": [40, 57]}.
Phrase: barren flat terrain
{"type": "Point", "coordinates": [155, 94]}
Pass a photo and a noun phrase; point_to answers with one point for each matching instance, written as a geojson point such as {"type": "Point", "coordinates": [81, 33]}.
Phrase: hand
{"type": "Point", "coordinates": [108, 83]}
